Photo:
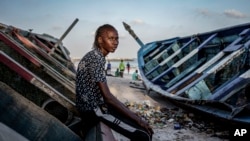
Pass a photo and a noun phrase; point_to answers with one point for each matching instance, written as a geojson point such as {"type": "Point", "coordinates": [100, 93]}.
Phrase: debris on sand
{"type": "Point", "coordinates": [177, 118]}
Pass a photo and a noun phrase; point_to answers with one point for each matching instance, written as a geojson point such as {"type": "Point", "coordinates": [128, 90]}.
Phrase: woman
{"type": "Point", "coordinates": [94, 100]}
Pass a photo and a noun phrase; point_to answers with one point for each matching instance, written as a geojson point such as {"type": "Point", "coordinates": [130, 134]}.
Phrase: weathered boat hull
{"type": "Point", "coordinates": [39, 72]}
{"type": "Point", "coordinates": [35, 76]}
{"type": "Point", "coordinates": [29, 120]}
{"type": "Point", "coordinates": [208, 71]}
{"type": "Point", "coordinates": [41, 78]}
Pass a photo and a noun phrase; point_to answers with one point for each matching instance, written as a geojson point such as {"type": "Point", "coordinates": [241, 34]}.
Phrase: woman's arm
{"type": "Point", "coordinates": [111, 100]}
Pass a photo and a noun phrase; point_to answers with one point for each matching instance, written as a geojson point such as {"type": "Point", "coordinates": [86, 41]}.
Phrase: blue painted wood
{"type": "Point", "coordinates": [209, 85]}
{"type": "Point", "coordinates": [232, 87]}
{"type": "Point", "coordinates": [174, 54]}
{"type": "Point", "coordinates": [184, 73]}
{"type": "Point", "coordinates": [214, 69]}
{"type": "Point", "coordinates": [233, 46]}
{"type": "Point", "coordinates": [184, 59]}
{"type": "Point", "coordinates": [214, 59]}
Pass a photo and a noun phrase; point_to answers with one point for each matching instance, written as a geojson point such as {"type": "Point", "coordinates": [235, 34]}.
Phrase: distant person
{"type": "Point", "coordinates": [136, 76]}
{"type": "Point", "coordinates": [117, 72]}
{"type": "Point", "coordinates": [108, 68]}
{"type": "Point", "coordinates": [121, 68]}
{"type": "Point", "coordinates": [94, 100]}
{"type": "Point", "coordinates": [128, 67]}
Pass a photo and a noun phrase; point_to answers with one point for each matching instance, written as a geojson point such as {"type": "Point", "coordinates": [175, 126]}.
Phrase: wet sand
{"type": "Point", "coordinates": [127, 92]}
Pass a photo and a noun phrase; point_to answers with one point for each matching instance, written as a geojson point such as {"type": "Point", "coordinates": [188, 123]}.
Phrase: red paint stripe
{"type": "Point", "coordinates": [24, 40]}
{"type": "Point", "coordinates": [15, 66]}
{"type": "Point", "coordinates": [19, 50]}
{"type": "Point", "coordinates": [29, 44]}
{"type": "Point", "coordinates": [41, 44]}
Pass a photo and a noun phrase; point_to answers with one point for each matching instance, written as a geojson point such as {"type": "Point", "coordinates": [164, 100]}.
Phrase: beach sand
{"type": "Point", "coordinates": [121, 88]}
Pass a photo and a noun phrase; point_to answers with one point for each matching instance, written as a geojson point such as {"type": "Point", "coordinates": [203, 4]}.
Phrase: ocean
{"type": "Point", "coordinates": [115, 65]}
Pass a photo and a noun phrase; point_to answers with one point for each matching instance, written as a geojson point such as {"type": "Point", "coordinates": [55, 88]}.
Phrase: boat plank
{"type": "Point", "coordinates": [30, 120]}
{"type": "Point", "coordinates": [8, 134]}
{"type": "Point", "coordinates": [39, 83]}
{"type": "Point", "coordinates": [37, 62]}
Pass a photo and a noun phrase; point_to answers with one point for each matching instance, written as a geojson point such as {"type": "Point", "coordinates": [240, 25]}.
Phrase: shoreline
{"type": "Point", "coordinates": [119, 59]}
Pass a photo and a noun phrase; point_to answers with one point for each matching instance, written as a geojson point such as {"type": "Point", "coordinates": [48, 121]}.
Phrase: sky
{"type": "Point", "coordinates": [151, 20]}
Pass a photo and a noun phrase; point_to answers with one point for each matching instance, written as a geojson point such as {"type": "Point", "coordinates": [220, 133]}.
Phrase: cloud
{"type": "Point", "coordinates": [57, 28]}
{"type": "Point", "coordinates": [204, 12]}
{"type": "Point", "coordinates": [234, 13]}
{"type": "Point", "coordinates": [138, 22]}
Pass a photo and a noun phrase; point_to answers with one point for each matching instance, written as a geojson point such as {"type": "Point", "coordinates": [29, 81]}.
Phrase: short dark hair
{"type": "Point", "coordinates": [100, 30]}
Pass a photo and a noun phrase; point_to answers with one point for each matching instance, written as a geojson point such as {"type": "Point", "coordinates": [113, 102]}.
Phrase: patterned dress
{"type": "Point", "coordinates": [91, 69]}
{"type": "Point", "coordinates": [90, 103]}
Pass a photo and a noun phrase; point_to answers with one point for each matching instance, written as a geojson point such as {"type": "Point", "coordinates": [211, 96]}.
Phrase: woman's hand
{"type": "Point", "coordinates": [146, 126]}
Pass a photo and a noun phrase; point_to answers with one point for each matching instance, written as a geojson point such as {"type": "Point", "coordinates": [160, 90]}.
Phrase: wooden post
{"type": "Point", "coordinates": [62, 37]}
{"type": "Point", "coordinates": [131, 32]}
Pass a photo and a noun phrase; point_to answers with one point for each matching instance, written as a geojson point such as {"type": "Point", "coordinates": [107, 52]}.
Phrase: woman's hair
{"type": "Point", "coordinates": [100, 30]}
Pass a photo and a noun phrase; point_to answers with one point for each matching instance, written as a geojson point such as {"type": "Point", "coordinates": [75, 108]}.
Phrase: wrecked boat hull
{"type": "Point", "coordinates": [37, 82]}
{"type": "Point", "coordinates": [208, 71]}
{"type": "Point", "coordinates": [29, 120]}
{"type": "Point", "coordinates": [41, 77]}
{"type": "Point", "coordinates": [37, 77]}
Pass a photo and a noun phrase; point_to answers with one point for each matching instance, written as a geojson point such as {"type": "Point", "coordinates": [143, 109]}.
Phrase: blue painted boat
{"type": "Point", "coordinates": [209, 72]}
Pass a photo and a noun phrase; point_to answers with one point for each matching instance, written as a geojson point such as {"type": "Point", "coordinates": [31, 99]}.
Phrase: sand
{"type": "Point", "coordinates": [121, 88]}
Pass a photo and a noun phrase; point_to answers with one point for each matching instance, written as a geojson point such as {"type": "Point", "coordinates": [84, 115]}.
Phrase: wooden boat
{"type": "Point", "coordinates": [37, 87]}
{"type": "Point", "coordinates": [29, 120]}
{"type": "Point", "coordinates": [209, 72]}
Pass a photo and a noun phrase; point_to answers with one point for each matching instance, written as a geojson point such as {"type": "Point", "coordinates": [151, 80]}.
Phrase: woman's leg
{"type": "Point", "coordinates": [89, 120]}
{"type": "Point", "coordinates": [123, 126]}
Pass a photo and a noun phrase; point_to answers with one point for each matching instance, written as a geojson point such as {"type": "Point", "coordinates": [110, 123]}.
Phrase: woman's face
{"type": "Point", "coordinates": [108, 41]}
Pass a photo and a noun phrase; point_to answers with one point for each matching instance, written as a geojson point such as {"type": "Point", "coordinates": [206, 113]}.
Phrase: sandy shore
{"type": "Point", "coordinates": [123, 90]}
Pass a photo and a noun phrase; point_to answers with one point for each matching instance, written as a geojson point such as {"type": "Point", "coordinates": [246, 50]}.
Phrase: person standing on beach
{"type": "Point", "coordinates": [128, 67]}
{"type": "Point", "coordinates": [122, 68]}
{"type": "Point", "coordinates": [109, 68]}
{"type": "Point", "coordinates": [94, 100]}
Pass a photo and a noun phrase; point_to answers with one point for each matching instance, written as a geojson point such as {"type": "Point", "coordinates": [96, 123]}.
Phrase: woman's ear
{"type": "Point", "coordinates": [99, 40]}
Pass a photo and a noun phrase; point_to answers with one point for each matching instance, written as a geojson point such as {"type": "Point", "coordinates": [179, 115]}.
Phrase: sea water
{"type": "Point", "coordinates": [115, 64]}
